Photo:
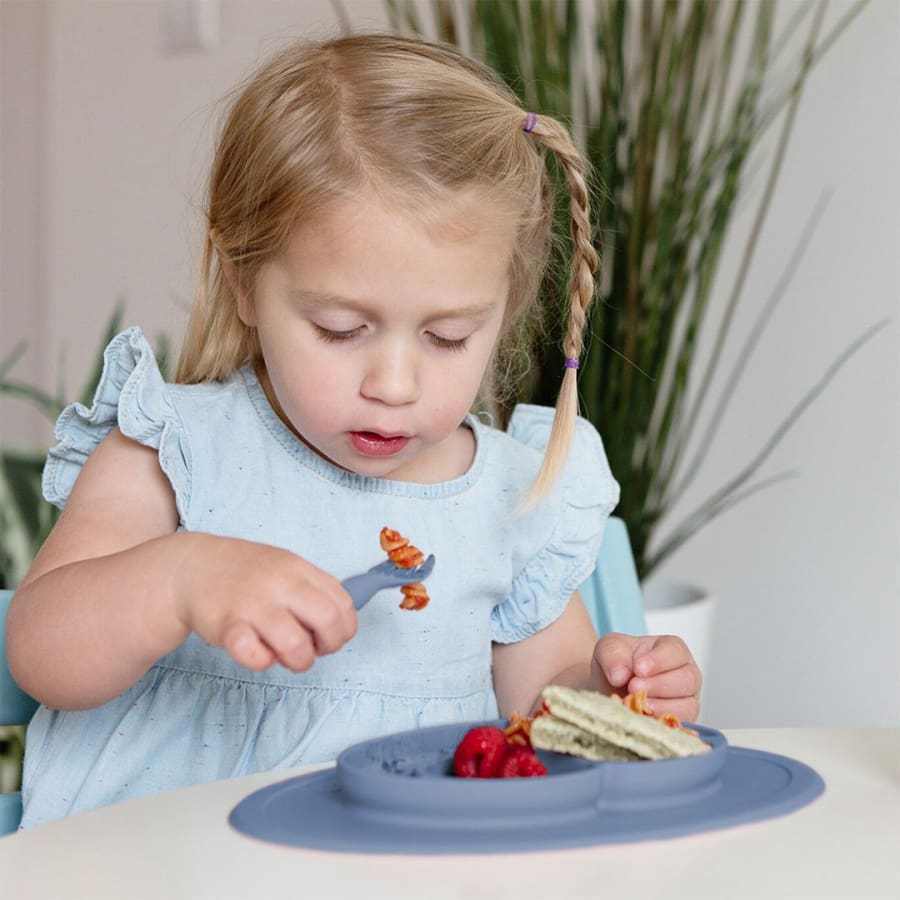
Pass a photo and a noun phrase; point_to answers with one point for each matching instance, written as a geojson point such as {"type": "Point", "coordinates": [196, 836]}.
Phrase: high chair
{"type": "Point", "coordinates": [16, 708]}
{"type": "Point", "coordinates": [612, 594]}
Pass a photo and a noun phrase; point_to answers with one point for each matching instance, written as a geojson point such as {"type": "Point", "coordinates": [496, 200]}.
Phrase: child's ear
{"type": "Point", "coordinates": [246, 312]}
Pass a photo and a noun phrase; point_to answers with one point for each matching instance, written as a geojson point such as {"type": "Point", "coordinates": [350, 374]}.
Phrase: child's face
{"type": "Point", "coordinates": [376, 332]}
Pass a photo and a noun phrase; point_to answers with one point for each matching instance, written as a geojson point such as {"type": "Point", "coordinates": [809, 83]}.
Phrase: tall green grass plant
{"type": "Point", "coordinates": [684, 109]}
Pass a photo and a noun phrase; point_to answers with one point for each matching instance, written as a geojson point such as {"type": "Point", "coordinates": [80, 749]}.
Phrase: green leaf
{"type": "Point", "coordinates": [25, 517]}
{"type": "Point", "coordinates": [113, 327]}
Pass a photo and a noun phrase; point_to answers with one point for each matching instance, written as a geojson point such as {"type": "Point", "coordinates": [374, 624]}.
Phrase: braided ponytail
{"type": "Point", "coordinates": [552, 135]}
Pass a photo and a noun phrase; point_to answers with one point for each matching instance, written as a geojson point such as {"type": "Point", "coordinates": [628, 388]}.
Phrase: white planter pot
{"type": "Point", "coordinates": [685, 610]}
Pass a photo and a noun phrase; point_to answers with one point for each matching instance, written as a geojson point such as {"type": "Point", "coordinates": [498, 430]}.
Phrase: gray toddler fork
{"type": "Point", "coordinates": [362, 588]}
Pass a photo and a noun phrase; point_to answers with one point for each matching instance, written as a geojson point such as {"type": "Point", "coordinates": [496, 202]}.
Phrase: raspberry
{"type": "Point", "coordinates": [480, 753]}
{"type": "Point", "coordinates": [520, 762]}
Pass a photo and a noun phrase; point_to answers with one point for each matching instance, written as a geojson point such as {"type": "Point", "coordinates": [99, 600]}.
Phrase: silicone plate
{"type": "Point", "coordinates": [397, 795]}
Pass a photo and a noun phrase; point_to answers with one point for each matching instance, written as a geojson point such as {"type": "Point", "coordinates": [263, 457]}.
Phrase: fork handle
{"type": "Point", "coordinates": [361, 589]}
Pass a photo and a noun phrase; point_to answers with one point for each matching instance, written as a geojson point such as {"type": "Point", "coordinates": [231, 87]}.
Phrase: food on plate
{"type": "Point", "coordinates": [403, 554]}
{"type": "Point", "coordinates": [577, 723]}
{"type": "Point", "coordinates": [480, 752]}
{"type": "Point", "coordinates": [592, 726]}
{"type": "Point", "coordinates": [519, 729]}
{"type": "Point", "coordinates": [521, 762]}
{"type": "Point", "coordinates": [488, 752]}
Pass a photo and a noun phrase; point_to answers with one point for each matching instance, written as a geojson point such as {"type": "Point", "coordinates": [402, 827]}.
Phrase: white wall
{"type": "Point", "coordinates": [808, 572]}
{"type": "Point", "coordinates": [103, 142]}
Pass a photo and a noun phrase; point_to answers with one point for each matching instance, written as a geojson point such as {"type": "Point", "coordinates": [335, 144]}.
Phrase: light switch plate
{"type": "Point", "coordinates": [191, 25]}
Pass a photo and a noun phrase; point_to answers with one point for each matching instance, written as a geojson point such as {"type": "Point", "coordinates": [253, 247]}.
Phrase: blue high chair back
{"type": "Point", "coordinates": [16, 708]}
{"type": "Point", "coordinates": [612, 594]}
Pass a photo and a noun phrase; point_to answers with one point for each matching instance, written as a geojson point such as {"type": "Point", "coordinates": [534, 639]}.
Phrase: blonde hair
{"type": "Point", "coordinates": [411, 120]}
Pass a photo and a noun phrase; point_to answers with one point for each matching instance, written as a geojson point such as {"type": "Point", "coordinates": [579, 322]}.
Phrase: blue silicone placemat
{"type": "Point", "coordinates": [313, 811]}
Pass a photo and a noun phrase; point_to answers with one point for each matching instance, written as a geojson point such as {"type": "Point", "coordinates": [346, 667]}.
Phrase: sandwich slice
{"type": "Point", "coordinates": [592, 726]}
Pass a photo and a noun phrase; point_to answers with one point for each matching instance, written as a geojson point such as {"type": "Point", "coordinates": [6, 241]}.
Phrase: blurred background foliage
{"type": "Point", "coordinates": [684, 109]}
{"type": "Point", "coordinates": [25, 517]}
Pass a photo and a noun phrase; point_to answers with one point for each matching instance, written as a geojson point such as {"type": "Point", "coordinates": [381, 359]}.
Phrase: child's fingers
{"type": "Point", "coordinates": [687, 709]}
{"type": "Point", "coordinates": [661, 666]}
{"type": "Point", "coordinates": [245, 646]}
{"type": "Point", "coordinates": [660, 654]}
{"type": "Point", "coordinates": [288, 638]}
{"type": "Point", "coordinates": [681, 682]}
{"type": "Point", "coordinates": [614, 654]}
{"type": "Point", "coordinates": [330, 620]}
{"type": "Point", "coordinates": [318, 602]}
{"type": "Point", "coordinates": [303, 625]}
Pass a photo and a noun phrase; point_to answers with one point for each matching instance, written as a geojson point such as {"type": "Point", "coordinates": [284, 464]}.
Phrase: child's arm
{"type": "Point", "coordinates": [115, 587]}
{"type": "Point", "coordinates": [568, 652]}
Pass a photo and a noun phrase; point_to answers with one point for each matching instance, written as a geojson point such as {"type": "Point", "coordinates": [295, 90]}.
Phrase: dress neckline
{"type": "Point", "coordinates": [305, 455]}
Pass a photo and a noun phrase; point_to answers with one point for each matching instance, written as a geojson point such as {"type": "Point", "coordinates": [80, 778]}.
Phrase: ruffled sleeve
{"type": "Point", "coordinates": [132, 395]}
{"type": "Point", "coordinates": [570, 523]}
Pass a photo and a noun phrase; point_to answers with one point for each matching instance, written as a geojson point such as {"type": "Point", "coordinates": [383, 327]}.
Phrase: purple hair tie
{"type": "Point", "coordinates": [571, 362]}
{"type": "Point", "coordinates": [530, 121]}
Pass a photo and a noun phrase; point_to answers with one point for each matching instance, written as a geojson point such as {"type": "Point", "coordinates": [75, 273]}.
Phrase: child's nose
{"type": "Point", "coordinates": [392, 376]}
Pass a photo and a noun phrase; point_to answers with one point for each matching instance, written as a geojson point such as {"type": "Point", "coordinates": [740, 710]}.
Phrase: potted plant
{"type": "Point", "coordinates": [672, 104]}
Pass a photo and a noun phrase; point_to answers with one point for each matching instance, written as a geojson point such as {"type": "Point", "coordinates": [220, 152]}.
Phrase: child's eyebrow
{"type": "Point", "coordinates": [313, 299]}
{"type": "Point", "coordinates": [475, 311]}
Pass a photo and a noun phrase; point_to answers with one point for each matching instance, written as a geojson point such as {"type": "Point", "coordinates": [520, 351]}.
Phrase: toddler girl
{"type": "Point", "coordinates": [379, 218]}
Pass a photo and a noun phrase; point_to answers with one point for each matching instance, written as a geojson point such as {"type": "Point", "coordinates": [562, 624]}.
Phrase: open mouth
{"type": "Point", "coordinates": [373, 444]}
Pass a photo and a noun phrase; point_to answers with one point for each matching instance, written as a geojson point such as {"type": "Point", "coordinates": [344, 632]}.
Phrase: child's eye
{"type": "Point", "coordinates": [447, 343]}
{"type": "Point", "coordinates": [336, 336]}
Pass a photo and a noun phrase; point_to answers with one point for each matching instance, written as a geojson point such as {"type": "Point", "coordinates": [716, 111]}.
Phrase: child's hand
{"type": "Point", "coordinates": [661, 666]}
{"type": "Point", "coordinates": [261, 604]}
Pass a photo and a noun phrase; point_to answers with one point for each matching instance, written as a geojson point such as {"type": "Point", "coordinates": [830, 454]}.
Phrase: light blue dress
{"type": "Point", "coordinates": [237, 470]}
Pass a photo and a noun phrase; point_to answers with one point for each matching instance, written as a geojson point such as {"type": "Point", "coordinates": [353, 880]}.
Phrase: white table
{"type": "Point", "coordinates": [844, 845]}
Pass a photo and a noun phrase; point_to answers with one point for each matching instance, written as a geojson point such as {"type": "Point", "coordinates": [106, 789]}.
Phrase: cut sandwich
{"type": "Point", "coordinates": [589, 725]}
